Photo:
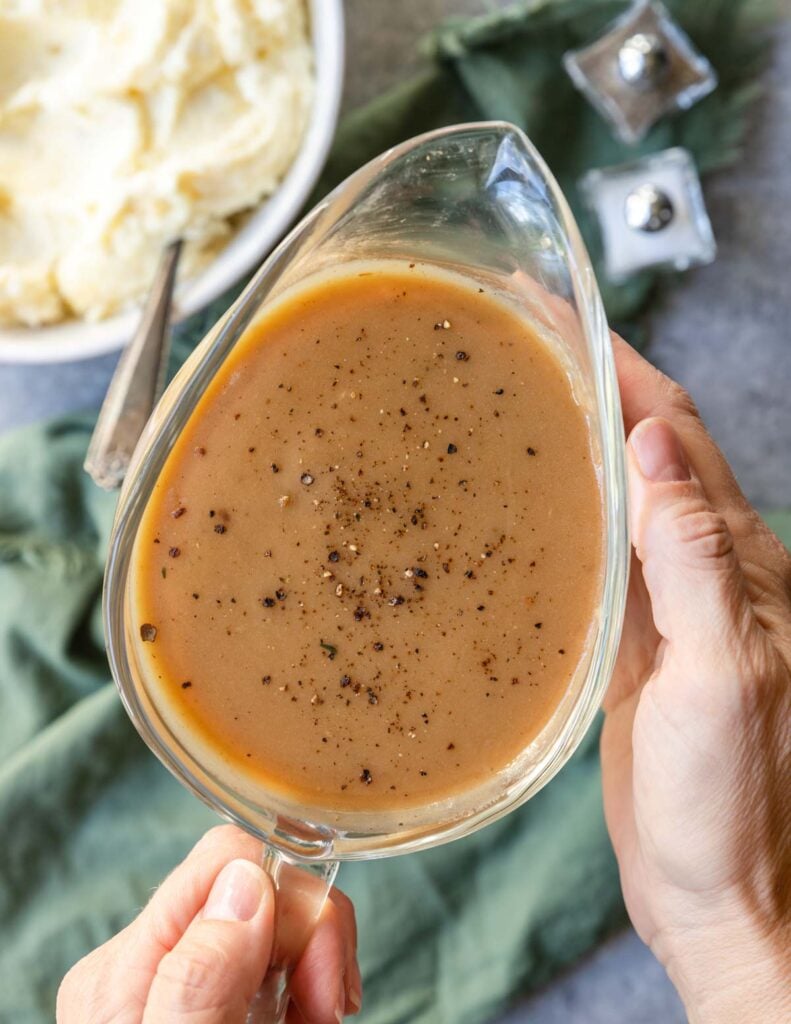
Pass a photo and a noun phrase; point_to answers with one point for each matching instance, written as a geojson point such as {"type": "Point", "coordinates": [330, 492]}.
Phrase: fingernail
{"type": "Point", "coordinates": [659, 452]}
{"type": "Point", "coordinates": [355, 997]}
{"type": "Point", "coordinates": [340, 1009]}
{"type": "Point", "coordinates": [355, 988]}
{"type": "Point", "coordinates": [236, 894]}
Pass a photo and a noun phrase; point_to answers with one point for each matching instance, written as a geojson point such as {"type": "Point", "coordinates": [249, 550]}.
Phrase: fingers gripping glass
{"type": "Point", "coordinates": [477, 199]}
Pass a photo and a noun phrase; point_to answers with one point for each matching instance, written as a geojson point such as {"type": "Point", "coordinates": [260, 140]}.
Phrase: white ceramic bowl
{"type": "Point", "coordinates": [79, 339]}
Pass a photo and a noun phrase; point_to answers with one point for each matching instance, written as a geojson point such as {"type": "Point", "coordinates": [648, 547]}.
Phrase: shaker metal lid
{"type": "Point", "coordinates": [648, 208]}
{"type": "Point", "coordinates": [643, 60]}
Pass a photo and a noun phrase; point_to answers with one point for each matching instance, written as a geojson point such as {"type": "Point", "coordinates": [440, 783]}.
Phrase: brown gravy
{"type": "Point", "coordinates": [368, 570]}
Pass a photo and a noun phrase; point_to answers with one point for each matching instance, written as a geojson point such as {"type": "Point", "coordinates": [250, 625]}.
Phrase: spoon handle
{"type": "Point", "coordinates": [137, 382]}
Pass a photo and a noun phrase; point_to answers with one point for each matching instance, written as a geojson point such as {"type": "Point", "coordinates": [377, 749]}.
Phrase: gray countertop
{"type": "Point", "coordinates": [723, 332]}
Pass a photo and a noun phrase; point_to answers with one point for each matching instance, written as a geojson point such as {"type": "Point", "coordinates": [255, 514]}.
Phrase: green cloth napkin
{"type": "Point", "coordinates": [89, 820]}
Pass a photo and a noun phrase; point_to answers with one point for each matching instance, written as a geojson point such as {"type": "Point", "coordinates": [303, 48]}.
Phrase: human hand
{"type": "Point", "coordinates": [199, 950]}
{"type": "Point", "coordinates": [696, 746]}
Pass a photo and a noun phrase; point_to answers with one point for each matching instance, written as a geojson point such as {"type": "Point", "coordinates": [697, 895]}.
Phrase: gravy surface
{"type": "Point", "coordinates": [368, 570]}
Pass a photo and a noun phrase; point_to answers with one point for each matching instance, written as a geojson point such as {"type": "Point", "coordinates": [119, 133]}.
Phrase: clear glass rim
{"type": "Point", "coordinates": [304, 838]}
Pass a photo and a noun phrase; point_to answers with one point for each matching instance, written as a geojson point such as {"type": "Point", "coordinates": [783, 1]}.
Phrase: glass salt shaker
{"type": "Point", "coordinates": [651, 213]}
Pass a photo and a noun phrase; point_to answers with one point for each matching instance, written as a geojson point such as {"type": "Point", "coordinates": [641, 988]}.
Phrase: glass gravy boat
{"type": "Point", "coordinates": [479, 200]}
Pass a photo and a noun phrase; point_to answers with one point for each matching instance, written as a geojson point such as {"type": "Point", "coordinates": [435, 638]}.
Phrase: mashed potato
{"type": "Point", "coordinates": [126, 123]}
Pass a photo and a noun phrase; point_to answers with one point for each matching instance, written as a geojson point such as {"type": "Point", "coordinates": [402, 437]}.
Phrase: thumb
{"type": "Point", "coordinates": [698, 594]}
{"type": "Point", "coordinates": [212, 973]}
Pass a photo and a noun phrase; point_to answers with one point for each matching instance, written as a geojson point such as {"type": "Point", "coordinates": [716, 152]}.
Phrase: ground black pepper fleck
{"type": "Point", "coordinates": [268, 602]}
{"type": "Point", "coordinates": [219, 528]}
{"type": "Point", "coordinates": [148, 633]}
{"type": "Point", "coordinates": [275, 467]}
{"type": "Point", "coordinates": [280, 595]}
{"type": "Point", "coordinates": [462, 356]}
{"type": "Point", "coordinates": [331, 649]}
{"type": "Point", "coordinates": [346, 681]}
{"type": "Point", "coordinates": [334, 556]}
{"type": "Point", "coordinates": [366, 777]}
{"type": "Point", "coordinates": [452, 449]}
{"type": "Point", "coordinates": [186, 685]}
{"type": "Point", "coordinates": [177, 513]}
{"type": "Point", "coordinates": [531, 451]}
{"type": "Point", "coordinates": [174, 552]}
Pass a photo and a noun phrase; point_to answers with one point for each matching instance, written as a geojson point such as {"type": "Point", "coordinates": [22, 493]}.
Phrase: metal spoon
{"type": "Point", "coordinates": [137, 382]}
